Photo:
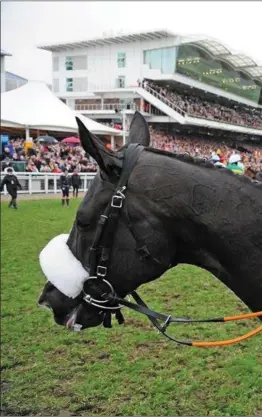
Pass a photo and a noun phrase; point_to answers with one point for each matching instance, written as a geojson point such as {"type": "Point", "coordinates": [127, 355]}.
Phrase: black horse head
{"type": "Point", "coordinates": [174, 211]}
{"type": "Point", "coordinates": [129, 265]}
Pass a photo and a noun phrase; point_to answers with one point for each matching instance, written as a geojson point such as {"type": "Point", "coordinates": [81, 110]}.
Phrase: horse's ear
{"type": "Point", "coordinates": [95, 148]}
{"type": "Point", "coordinates": [139, 132]}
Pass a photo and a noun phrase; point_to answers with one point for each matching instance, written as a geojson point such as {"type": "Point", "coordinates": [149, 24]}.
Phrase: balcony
{"type": "Point", "coordinates": [106, 107]}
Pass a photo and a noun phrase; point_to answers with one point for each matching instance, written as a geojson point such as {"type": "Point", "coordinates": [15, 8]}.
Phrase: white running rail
{"type": "Point", "coordinates": [45, 182]}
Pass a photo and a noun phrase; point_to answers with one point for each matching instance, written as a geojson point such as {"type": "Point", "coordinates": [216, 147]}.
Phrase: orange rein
{"type": "Point", "coordinates": [236, 339]}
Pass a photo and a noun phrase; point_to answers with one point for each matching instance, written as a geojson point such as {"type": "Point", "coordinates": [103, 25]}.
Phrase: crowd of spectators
{"type": "Point", "coordinates": [206, 148]}
{"type": "Point", "coordinates": [196, 106]}
{"type": "Point", "coordinates": [48, 158]}
{"type": "Point", "coordinates": [58, 157]}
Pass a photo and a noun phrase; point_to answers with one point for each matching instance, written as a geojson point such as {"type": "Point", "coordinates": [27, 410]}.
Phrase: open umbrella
{"type": "Point", "coordinates": [47, 139]}
{"type": "Point", "coordinates": [71, 139]}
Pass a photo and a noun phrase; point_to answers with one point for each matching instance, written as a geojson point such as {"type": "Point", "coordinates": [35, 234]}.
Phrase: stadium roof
{"type": "Point", "coordinates": [108, 40]}
{"type": "Point", "coordinates": [239, 62]}
{"type": "Point", "coordinates": [216, 49]}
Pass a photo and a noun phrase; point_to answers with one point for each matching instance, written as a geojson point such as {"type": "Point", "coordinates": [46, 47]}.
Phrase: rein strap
{"type": "Point", "coordinates": [154, 316]}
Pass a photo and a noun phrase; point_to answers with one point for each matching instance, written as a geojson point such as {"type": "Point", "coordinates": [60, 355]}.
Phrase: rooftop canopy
{"type": "Point", "coordinates": [239, 62]}
{"type": "Point", "coordinates": [107, 41]}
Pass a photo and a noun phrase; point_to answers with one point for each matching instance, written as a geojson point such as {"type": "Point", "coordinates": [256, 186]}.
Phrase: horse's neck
{"type": "Point", "coordinates": [216, 221]}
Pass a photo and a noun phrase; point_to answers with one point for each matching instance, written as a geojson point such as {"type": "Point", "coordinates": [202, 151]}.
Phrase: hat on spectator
{"type": "Point", "coordinates": [234, 158]}
{"type": "Point", "coordinates": [215, 157]}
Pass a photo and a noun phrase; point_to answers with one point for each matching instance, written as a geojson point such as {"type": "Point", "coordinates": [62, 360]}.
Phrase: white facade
{"type": "Point", "coordinates": [102, 71]}
{"type": "Point", "coordinates": [103, 64]}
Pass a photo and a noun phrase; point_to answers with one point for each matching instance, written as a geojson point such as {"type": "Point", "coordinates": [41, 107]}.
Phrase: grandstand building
{"type": "Point", "coordinates": [3, 55]}
{"type": "Point", "coordinates": [9, 81]}
{"type": "Point", "coordinates": [102, 78]}
{"type": "Point", "coordinates": [13, 81]}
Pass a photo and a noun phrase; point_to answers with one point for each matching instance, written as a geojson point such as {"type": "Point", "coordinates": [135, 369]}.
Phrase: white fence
{"type": "Point", "coordinates": [46, 183]}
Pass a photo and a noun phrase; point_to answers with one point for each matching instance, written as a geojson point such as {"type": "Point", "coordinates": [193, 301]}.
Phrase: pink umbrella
{"type": "Point", "coordinates": [71, 139]}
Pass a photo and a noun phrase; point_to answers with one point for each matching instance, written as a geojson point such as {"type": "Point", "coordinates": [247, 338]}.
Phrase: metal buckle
{"type": "Point", "coordinates": [92, 301]}
{"type": "Point", "coordinates": [101, 271]}
{"type": "Point", "coordinates": [117, 201]}
{"type": "Point", "coordinates": [77, 327]}
{"type": "Point", "coordinates": [120, 192]}
{"type": "Point", "coordinates": [166, 324]}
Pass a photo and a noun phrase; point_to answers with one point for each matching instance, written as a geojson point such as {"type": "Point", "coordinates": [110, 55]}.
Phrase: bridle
{"type": "Point", "coordinates": [109, 302]}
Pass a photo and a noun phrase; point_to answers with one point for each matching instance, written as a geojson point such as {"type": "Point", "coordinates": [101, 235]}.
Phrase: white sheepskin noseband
{"type": "Point", "coordinates": [62, 268]}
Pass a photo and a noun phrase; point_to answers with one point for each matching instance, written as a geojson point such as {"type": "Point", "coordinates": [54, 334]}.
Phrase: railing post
{"type": "Point", "coordinates": [30, 184]}
{"type": "Point", "coordinates": [85, 183]}
{"type": "Point", "coordinates": [55, 184]}
{"type": "Point", "coordinates": [46, 184]}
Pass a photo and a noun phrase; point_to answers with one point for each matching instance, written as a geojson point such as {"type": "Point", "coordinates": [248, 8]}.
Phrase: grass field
{"type": "Point", "coordinates": [128, 370]}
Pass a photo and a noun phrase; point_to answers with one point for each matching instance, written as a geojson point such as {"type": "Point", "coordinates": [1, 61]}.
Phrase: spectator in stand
{"type": "Point", "coordinates": [197, 106]}
{"type": "Point", "coordinates": [48, 158]}
{"type": "Point", "coordinates": [235, 164]}
{"type": "Point", "coordinates": [58, 157]}
{"type": "Point", "coordinates": [205, 148]}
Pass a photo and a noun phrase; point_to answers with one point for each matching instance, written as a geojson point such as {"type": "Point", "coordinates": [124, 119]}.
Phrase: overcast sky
{"type": "Point", "coordinates": [24, 25]}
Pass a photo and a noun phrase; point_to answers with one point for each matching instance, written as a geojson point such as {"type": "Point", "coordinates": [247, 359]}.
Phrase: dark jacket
{"type": "Point", "coordinates": [76, 180]}
{"type": "Point", "coordinates": [65, 181]}
{"type": "Point", "coordinates": [11, 183]}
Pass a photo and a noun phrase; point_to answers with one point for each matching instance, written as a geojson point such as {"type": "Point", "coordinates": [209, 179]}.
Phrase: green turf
{"type": "Point", "coordinates": [127, 370]}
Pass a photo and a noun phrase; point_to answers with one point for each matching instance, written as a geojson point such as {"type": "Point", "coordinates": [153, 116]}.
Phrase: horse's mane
{"type": "Point", "coordinates": [204, 163]}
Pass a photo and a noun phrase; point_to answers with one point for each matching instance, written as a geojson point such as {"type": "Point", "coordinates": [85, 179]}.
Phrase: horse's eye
{"type": "Point", "coordinates": [82, 225]}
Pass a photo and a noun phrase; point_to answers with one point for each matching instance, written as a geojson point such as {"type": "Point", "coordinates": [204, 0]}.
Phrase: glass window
{"type": "Point", "coordinates": [154, 59]}
{"type": "Point", "coordinates": [69, 63]}
{"type": "Point", "coordinates": [121, 81]}
{"type": "Point", "coordinates": [168, 60]}
{"type": "Point", "coordinates": [77, 84]}
{"type": "Point", "coordinates": [121, 59]}
{"type": "Point", "coordinates": [163, 59]}
{"type": "Point", "coordinates": [194, 63]}
{"type": "Point", "coordinates": [69, 84]}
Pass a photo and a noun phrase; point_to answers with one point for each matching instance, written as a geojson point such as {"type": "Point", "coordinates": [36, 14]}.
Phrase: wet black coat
{"type": "Point", "coordinates": [11, 183]}
{"type": "Point", "coordinates": [76, 180]}
{"type": "Point", "coordinates": [65, 181]}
